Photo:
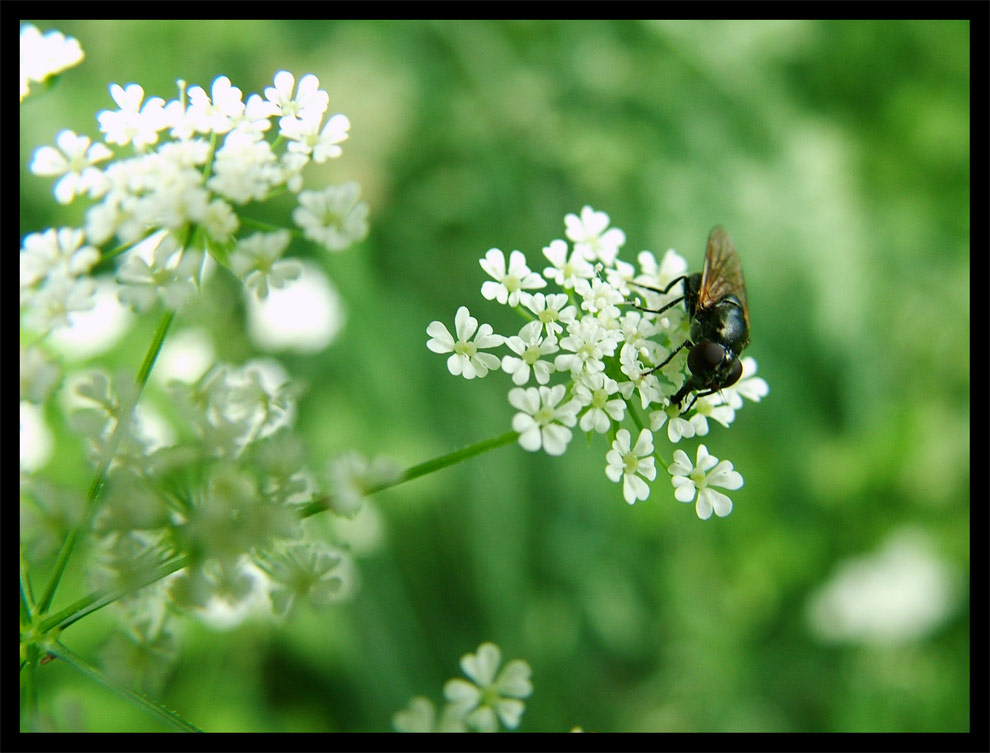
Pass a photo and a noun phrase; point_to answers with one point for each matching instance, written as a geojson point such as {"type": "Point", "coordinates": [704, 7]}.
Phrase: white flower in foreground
{"type": "Point", "coordinates": [688, 479]}
{"type": "Point", "coordinates": [490, 697]}
{"type": "Point", "coordinates": [466, 360]}
{"type": "Point", "coordinates": [133, 123]}
{"type": "Point", "coordinates": [74, 160]}
{"type": "Point", "coordinates": [541, 423]}
{"type": "Point", "coordinates": [309, 97]}
{"type": "Point", "coordinates": [530, 347]}
{"type": "Point", "coordinates": [509, 284]}
{"type": "Point", "coordinates": [629, 464]}
{"type": "Point", "coordinates": [219, 113]}
{"type": "Point", "coordinates": [44, 55]}
{"type": "Point", "coordinates": [56, 253]}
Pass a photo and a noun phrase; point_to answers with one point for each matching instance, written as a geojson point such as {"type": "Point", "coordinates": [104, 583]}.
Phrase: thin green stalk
{"type": "Point", "coordinates": [99, 599]}
{"type": "Point", "coordinates": [321, 504]}
{"type": "Point", "coordinates": [98, 480]}
{"type": "Point", "coordinates": [450, 459]}
{"type": "Point", "coordinates": [156, 709]}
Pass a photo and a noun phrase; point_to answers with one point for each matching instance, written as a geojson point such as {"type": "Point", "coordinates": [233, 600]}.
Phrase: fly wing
{"type": "Point", "coordinates": [723, 273]}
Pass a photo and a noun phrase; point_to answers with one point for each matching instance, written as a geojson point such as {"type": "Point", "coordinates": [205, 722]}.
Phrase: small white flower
{"type": "Point", "coordinates": [711, 407]}
{"type": "Point", "coordinates": [637, 332]}
{"type": "Point", "coordinates": [688, 479]}
{"type": "Point", "coordinates": [509, 284]}
{"type": "Point", "coordinates": [333, 217]}
{"type": "Point", "coordinates": [588, 342]}
{"type": "Point", "coordinates": [590, 237]}
{"type": "Point", "coordinates": [679, 428]}
{"type": "Point", "coordinates": [672, 266]}
{"type": "Point", "coordinates": [245, 168]}
{"type": "Point", "coordinates": [171, 274]}
{"type": "Point", "coordinates": [542, 422]}
{"type": "Point", "coordinates": [51, 306]}
{"type": "Point", "coordinates": [133, 123]}
{"type": "Point", "coordinates": [219, 113]}
{"type": "Point", "coordinates": [305, 570]}
{"type": "Point", "coordinates": [530, 348]}
{"type": "Point", "coordinates": [600, 298]}
{"type": "Point", "coordinates": [490, 697]}
{"type": "Point", "coordinates": [309, 98]}
{"type": "Point", "coordinates": [45, 55]}
{"type": "Point", "coordinates": [305, 137]}
{"type": "Point", "coordinates": [466, 360]}
{"type": "Point", "coordinates": [630, 464]}
{"type": "Point", "coordinates": [257, 261]}
{"type": "Point", "coordinates": [594, 391]}
{"type": "Point", "coordinates": [552, 311]}
{"type": "Point", "coordinates": [566, 271]}
{"type": "Point", "coordinates": [73, 160]}
{"type": "Point", "coordinates": [219, 220]}
{"type": "Point", "coordinates": [55, 253]}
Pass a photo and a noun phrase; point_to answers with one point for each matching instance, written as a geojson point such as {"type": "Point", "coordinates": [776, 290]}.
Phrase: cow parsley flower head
{"type": "Point", "coordinates": [177, 173]}
{"type": "Point", "coordinates": [606, 342]}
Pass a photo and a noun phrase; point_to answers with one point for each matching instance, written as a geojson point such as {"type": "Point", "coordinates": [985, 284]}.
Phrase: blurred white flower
{"type": "Point", "coordinates": [900, 593]}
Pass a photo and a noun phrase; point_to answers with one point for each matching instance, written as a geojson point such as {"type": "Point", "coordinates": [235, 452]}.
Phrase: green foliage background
{"type": "Point", "coordinates": [837, 153]}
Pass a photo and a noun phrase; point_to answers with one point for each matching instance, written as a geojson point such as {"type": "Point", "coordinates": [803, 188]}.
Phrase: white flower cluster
{"type": "Point", "coordinates": [597, 335]}
{"type": "Point", "coordinates": [191, 164]}
{"type": "Point", "coordinates": [490, 696]}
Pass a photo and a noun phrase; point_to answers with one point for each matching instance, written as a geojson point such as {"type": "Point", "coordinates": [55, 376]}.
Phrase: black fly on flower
{"type": "Point", "coordinates": [717, 306]}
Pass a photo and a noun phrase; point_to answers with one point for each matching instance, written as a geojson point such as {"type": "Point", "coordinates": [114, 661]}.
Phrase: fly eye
{"type": "Point", "coordinates": [734, 373]}
{"type": "Point", "coordinates": [705, 357]}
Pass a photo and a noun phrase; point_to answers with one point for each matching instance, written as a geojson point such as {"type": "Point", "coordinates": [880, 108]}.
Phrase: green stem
{"type": "Point", "coordinates": [321, 504]}
{"type": "Point", "coordinates": [166, 715]}
{"type": "Point", "coordinates": [99, 599]}
{"type": "Point", "coordinates": [98, 480]}
{"type": "Point", "coordinates": [450, 459]}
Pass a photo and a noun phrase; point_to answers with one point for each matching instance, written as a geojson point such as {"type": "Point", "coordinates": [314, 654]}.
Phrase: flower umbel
{"type": "Point", "coordinates": [605, 332]}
